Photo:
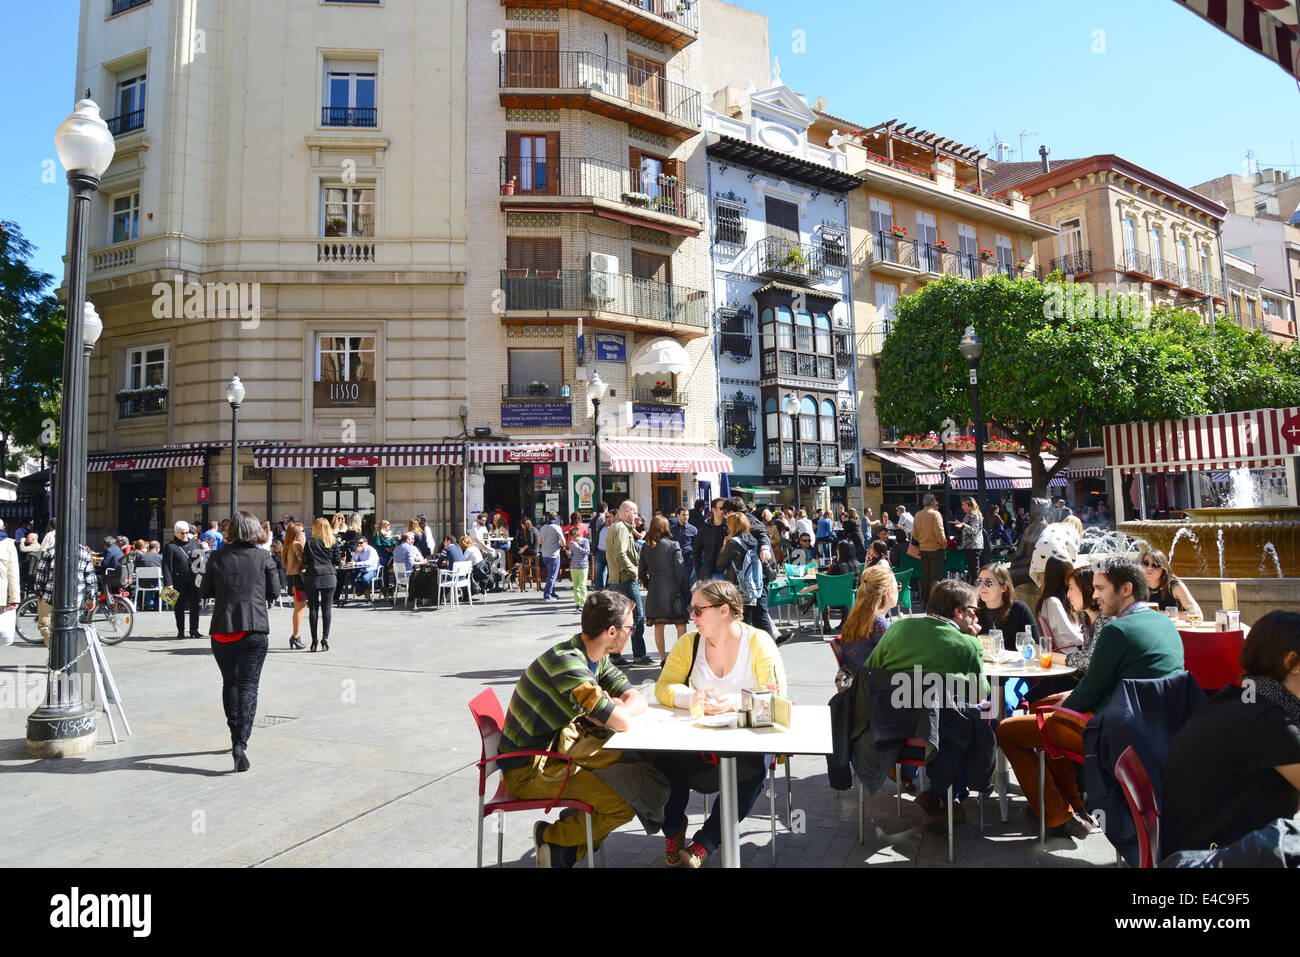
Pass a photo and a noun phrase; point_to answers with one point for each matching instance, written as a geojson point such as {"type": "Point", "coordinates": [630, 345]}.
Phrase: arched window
{"type": "Point", "coordinates": [808, 419]}
{"type": "Point", "coordinates": [784, 327]}
{"type": "Point", "coordinates": [771, 418]}
{"type": "Point", "coordinates": [828, 421]}
{"type": "Point", "coordinates": [768, 328]}
{"type": "Point", "coordinates": [824, 347]}
{"type": "Point", "coordinates": [803, 332]}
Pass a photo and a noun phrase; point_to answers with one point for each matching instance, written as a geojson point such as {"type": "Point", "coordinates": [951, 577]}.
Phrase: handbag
{"type": "Point", "coordinates": [913, 549]}
{"type": "Point", "coordinates": [584, 744]}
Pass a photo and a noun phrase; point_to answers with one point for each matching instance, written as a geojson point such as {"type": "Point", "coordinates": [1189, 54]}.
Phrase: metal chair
{"type": "Point", "coordinates": [148, 580]}
{"type": "Point", "coordinates": [1141, 797]}
{"type": "Point", "coordinates": [401, 583]}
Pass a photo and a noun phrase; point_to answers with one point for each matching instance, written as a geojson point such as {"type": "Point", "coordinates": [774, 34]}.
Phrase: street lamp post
{"type": "Point", "coordinates": [234, 395]}
{"type": "Point", "coordinates": [596, 392]}
{"type": "Point", "coordinates": [972, 347]}
{"type": "Point", "coordinates": [792, 409]}
{"type": "Point", "coordinates": [65, 725]}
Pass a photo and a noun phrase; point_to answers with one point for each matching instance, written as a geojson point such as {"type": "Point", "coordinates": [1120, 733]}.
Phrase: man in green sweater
{"type": "Point", "coordinates": [1139, 643]}
{"type": "Point", "coordinates": [943, 643]}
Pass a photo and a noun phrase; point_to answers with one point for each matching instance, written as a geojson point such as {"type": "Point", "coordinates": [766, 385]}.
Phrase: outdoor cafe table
{"type": "Point", "coordinates": [669, 729]}
{"type": "Point", "coordinates": [1014, 669]}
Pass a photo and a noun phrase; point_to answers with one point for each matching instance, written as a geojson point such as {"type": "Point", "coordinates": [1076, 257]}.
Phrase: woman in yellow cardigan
{"type": "Point", "coordinates": [718, 660]}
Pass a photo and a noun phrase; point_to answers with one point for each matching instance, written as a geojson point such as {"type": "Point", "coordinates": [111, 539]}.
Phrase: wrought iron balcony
{"type": "Point", "coordinates": [552, 391]}
{"type": "Point", "coordinates": [581, 176]}
{"type": "Point", "coordinates": [135, 405]}
{"type": "Point", "coordinates": [739, 437]}
{"type": "Point", "coordinates": [739, 346]}
{"type": "Point", "coordinates": [580, 290]}
{"type": "Point", "coordinates": [780, 258]}
{"type": "Point", "coordinates": [659, 395]}
{"type": "Point", "coordinates": [1073, 264]}
{"type": "Point", "coordinates": [672, 22]}
{"type": "Point", "coordinates": [360, 116]}
{"type": "Point", "coordinates": [126, 122]}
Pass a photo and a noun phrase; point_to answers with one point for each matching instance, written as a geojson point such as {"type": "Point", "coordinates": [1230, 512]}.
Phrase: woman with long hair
{"type": "Point", "coordinates": [294, 540]}
{"type": "Point", "coordinates": [972, 535]}
{"type": "Point", "coordinates": [738, 542]}
{"type": "Point", "coordinates": [851, 530]}
{"type": "Point", "coordinates": [1053, 619]}
{"type": "Point", "coordinates": [1087, 612]}
{"type": "Point", "coordinates": [1167, 589]}
{"type": "Point", "coordinates": [999, 608]}
{"type": "Point", "coordinates": [846, 563]}
{"type": "Point", "coordinates": [877, 554]}
{"type": "Point", "coordinates": [320, 564]}
{"type": "Point", "coordinates": [866, 622]}
{"type": "Point", "coordinates": [660, 570]}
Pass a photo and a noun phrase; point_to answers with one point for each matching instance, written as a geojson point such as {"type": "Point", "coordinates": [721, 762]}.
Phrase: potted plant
{"type": "Point", "coordinates": [940, 244]}
{"type": "Point", "coordinates": [636, 199]}
{"type": "Point", "coordinates": [667, 180]}
{"type": "Point", "coordinates": [508, 189]}
{"type": "Point", "coordinates": [538, 388]}
{"type": "Point", "coordinates": [898, 232]}
{"type": "Point", "coordinates": [1016, 195]}
{"type": "Point", "coordinates": [662, 390]}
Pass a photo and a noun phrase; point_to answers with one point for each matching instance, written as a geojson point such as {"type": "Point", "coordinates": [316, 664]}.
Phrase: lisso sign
{"type": "Point", "coordinates": [344, 395]}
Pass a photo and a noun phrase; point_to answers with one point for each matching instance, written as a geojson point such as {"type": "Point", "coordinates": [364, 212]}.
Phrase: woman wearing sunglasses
{"type": "Point", "coordinates": [999, 608]}
{"type": "Point", "coordinates": [717, 661]}
{"type": "Point", "coordinates": [1167, 589]}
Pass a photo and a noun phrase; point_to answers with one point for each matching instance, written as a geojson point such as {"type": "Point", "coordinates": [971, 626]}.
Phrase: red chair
{"type": "Point", "coordinates": [1212, 657]}
{"type": "Point", "coordinates": [1141, 796]}
{"type": "Point", "coordinates": [486, 709]}
{"type": "Point", "coordinates": [1050, 750]}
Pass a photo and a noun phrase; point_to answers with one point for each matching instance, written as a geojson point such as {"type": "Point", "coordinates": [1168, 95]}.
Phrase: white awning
{"type": "Point", "coordinates": [660, 356]}
{"type": "Point", "coordinates": [652, 457]}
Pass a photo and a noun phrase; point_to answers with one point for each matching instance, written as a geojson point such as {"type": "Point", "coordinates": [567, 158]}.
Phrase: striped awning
{"type": "Point", "coordinates": [1090, 471]}
{"type": "Point", "coordinates": [1002, 470]}
{"type": "Point", "coordinates": [134, 461]}
{"type": "Point", "coordinates": [1266, 26]}
{"type": "Point", "coordinates": [1228, 440]}
{"type": "Point", "coordinates": [355, 456]}
{"type": "Point", "coordinates": [659, 457]}
{"type": "Point", "coordinates": [575, 451]}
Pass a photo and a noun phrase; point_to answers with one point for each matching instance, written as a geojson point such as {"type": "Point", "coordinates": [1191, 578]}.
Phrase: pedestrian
{"type": "Point", "coordinates": [928, 533]}
{"type": "Point", "coordinates": [972, 536]}
{"type": "Point", "coordinates": [44, 586]}
{"type": "Point", "coordinates": [825, 534]}
{"type": "Point", "coordinates": [740, 564]}
{"type": "Point", "coordinates": [852, 531]}
{"type": "Point", "coordinates": [767, 568]}
{"type": "Point", "coordinates": [182, 561]}
{"type": "Point", "coordinates": [29, 553]}
{"type": "Point", "coordinates": [213, 534]}
{"type": "Point", "coordinates": [294, 539]}
{"type": "Point", "coordinates": [267, 537]}
{"type": "Point", "coordinates": [621, 555]}
{"type": "Point", "coordinates": [599, 532]}
{"type": "Point", "coordinates": [550, 541]}
{"type": "Point", "coordinates": [708, 543]}
{"type": "Point", "coordinates": [659, 569]}
{"type": "Point", "coordinates": [579, 564]}
{"type": "Point", "coordinates": [241, 579]}
{"type": "Point", "coordinates": [10, 586]}
{"type": "Point", "coordinates": [683, 533]}
{"type": "Point", "coordinates": [320, 561]}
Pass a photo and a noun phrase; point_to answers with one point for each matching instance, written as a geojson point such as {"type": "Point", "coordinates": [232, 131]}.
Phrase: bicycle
{"type": "Point", "coordinates": [112, 615]}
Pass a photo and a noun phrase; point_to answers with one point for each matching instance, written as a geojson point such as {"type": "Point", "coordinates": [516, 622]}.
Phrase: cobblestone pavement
{"type": "Point", "coordinates": [364, 756]}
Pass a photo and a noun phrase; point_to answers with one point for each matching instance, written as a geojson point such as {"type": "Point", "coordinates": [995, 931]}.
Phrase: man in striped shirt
{"type": "Point", "coordinates": [574, 678]}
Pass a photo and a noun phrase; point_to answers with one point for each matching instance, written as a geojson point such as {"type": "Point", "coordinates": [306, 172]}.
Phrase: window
{"type": "Point", "coordinates": [1157, 253]}
{"type": "Point", "coordinates": [536, 372]}
{"type": "Point", "coordinates": [1071, 238]}
{"type": "Point", "coordinates": [532, 160]}
{"type": "Point", "coordinates": [968, 249]}
{"type": "Point", "coordinates": [738, 425]}
{"type": "Point", "coordinates": [1130, 243]}
{"type": "Point", "coordinates": [130, 105]}
{"type": "Point", "coordinates": [1183, 267]}
{"type": "Point", "coordinates": [345, 358]}
{"type": "Point", "coordinates": [768, 328]}
{"type": "Point", "coordinates": [803, 332]}
{"type": "Point", "coordinates": [126, 217]}
{"type": "Point", "coordinates": [533, 254]}
{"type": "Point", "coordinates": [729, 220]}
{"type": "Point", "coordinates": [927, 232]}
{"type": "Point", "coordinates": [782, 219]}
{"type": "Point", "coordinates": [645, 82]}
{"type": "Point", "coordinates": [784, 328]}
{"type": "Point", "coordinates": [350, 90]}
{"type": "Point", "coordinates": [146, 367]}
{"type": "Point", "coordinates": [882, 220]}
{"type": "Point", "coordinates": [532, 59]}
{"type": "Point", "coordinates": [823, 330]}
{"type": "Point", "coordinates": [348, 211]}
{"type": "Point", "coordinates": [886, 303]}
{"type": "Point", "coordinates": [833, 248]}
{"type": "Point", "coordinates": [1006, 255]}
{"type": "Point", "coordinates": [826, 422]}
{"type": "Point", "coordinates": [808, 419]}
{"type": "Point", "coordinates": [1205, 262]}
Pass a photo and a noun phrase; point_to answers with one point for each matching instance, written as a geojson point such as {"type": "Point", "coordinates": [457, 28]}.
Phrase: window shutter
{"type": "Point", "coordinates": [634, 166]}
{"type": "Point", "coordinates": [553, 168]}
{"type": "Point", "coordinates": [513, 156]}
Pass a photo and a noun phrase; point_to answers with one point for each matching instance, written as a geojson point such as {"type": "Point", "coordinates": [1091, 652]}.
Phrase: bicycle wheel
{"type": "Point", "coordinates": [26, 622]}
{"type": "Point", "coordinates": [114, 620]}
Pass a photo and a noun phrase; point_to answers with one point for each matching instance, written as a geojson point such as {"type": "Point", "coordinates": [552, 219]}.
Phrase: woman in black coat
{"type": "Point", "coordinates": [320, 559]}
{"type": "Point", "coordinates": [241, 578]}
{"type": "Point", "coordinates": [852, 532]}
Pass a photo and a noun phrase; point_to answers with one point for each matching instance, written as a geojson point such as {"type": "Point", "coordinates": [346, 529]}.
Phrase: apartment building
{"type": "Point", "coordinates": [588, 257]}
{"type": "Point", "coordinates": [286, 204]}
{"type": "Point", "coordinates": [782, 300]}
{"type": "Point", "coordinates": [925, 209]}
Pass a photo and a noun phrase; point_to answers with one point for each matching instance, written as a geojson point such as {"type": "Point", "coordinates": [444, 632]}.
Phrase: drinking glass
{"type": "Point", "coordinates": [1045, 651]}
{"type": "Point", "coordinates": [1172, 612]}
{"type": "Point", "coordinates": [1194, 617]}
{"type": "Point", "coordinates": [995, 642]}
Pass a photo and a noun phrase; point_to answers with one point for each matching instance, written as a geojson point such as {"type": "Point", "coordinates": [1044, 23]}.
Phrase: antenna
{"type": "Point", "coordinates": [1023, 134]}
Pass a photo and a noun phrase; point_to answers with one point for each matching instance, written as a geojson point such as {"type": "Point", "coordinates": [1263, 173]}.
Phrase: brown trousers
{"type": "Point", "coordinates": [1018, 737]}
{"type": "Point", "coordinates": [609, 811]}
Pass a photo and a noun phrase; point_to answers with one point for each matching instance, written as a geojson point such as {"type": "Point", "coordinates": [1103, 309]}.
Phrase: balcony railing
{"type": "Point", "coordinates": [583, 176]}
{"type": "Point", "coordinates": [346, 251]}
{"type": "Point", "coordinates": [134, 406]}
{"type": "Point", "coordinates": [361, 116]}
{"type": "Point", "coordinates": [895, 250]}
{"type": "Point", "coordinates": [126, 122]}
{"type": "Point", "coordinates": [553, 391]}
{"type": "Point", "coordinates": [786, 259]}
{"type": "Point", "coordinates": [901, 167]}
{"type": "Point", "coordinates": [739, 437]}
{"type": "Point", "coordinates": [579, 290]}
{"type": "Point", "coordinates": [121, 6]}
{"type": "Point", "coordinates": [659, 396]}
{"type": "Point", "coordinates": [738, 345]}
{"type": "Point", "coordinates": [580, 70]}
{"type": "Point", "coordinates": [1073, 264]}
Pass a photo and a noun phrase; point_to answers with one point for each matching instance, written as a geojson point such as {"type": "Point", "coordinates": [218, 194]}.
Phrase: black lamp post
{"type": "Point", "coordinates": [792, 409]}
{"type": "Point", "coordinates": [234, 395]}
{"type": "Point", "coordinates": [65, 725]}
{"type": "Point", "coordinates": [596, 392]}
{"type": "Point", "coordinates": [972, 347]}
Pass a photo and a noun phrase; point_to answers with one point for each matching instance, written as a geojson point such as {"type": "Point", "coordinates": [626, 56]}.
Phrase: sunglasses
{"type": "Point", "coordinates": [1147, 564]}
{"type": "Point", "coordinates": [986, 582]}
{"type": "Point", "coordinates": [697, 610]}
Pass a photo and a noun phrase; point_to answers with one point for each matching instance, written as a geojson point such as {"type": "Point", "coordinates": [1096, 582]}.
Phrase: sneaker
{"type": "Point", "coordinates": [693, 857]}
{"type": "Point", "coordinates": [930, 805]}
{"type": "Point", "coordinates": [673, 849]}
{"type": "Point", "coordinates": [641, 661]}
{"type": "Point", "coordinates": [783, 636]}
{"type": "Point", "coordinates": [540, 847]}
{"type": "Point", "coordinates": [618, 661]}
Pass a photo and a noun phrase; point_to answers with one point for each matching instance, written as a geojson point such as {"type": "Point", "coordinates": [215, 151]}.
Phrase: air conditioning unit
{"type": "Point", "coordinates": [602, 287]}
{"type": "Point", "coordinates": [602, 262]}
{"type": "Point", "coordinates": [596, 85]}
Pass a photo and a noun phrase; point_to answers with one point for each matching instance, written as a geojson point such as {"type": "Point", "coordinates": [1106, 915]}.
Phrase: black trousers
{"type": "Point", "coordinates": [688, 771]}
{"type": "Point", "coordinates": [188, 599]}
{"type": "Point", "coordinates": [241, 670]}
{"type": "Point", "coordinates": [320, 601]}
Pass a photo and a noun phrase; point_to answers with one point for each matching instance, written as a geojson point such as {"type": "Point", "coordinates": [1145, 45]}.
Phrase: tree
{"type": "Point", "coordinates": [1057, 362]}
{"type": "Point", "coordinates": [31, 346]}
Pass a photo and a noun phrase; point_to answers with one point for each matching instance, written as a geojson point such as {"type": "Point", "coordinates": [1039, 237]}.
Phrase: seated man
{"type": "Point", "coordinates": [944, 643]}
{"type": "Point", "coordinates": [406, 554]}
{"type": "Point", "coordinates": [573, 678]}
{"type": "Point", "coordinates": [111, 565]}
{"type": "Point", "coordinates": [367, 561]}
{"type": "Point", "coordinates": [451, 553]}
{"type": "Point", "coordinates": [1139, 643]}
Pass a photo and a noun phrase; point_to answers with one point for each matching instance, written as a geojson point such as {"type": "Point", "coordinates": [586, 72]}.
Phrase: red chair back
{"type": "Point", "coordinates": [1141, 796]}
{"type": "Point", "coordinates": [486, 709]}
{"type": "Point", "coordinates": [837, 649]}
{"type": "Point", "coordinates": [1211, 657]}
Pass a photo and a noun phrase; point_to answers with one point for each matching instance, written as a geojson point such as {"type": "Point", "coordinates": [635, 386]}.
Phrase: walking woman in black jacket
{"type": "Point", "coordinates": [320, 559]}
{"type": "Point", "coordinates": [241, 578]}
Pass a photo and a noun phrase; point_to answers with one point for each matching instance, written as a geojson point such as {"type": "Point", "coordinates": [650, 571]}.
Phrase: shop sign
{"type": "Point", "coordinates": [541, 471]}
{"type": "Point", "coordinates": [121, 465]}
{"type": "Point", "coordinates": [659, 419]}
{"type": "Point", "coordinates": [524, 415]}
{"type": "Point", "coordinates": [356, 461]}
{"type": "Point", "coordinates": [529, 455]}
{"type": "Point", "coordinates": [584, 492]}
{"type": "Point", "coordinates": [343, 395]}
{"type": "Point", "coordinates": [205, 494]}
{"type": "Point", "coordinates": [873, 479]}
{"type": "Point", "coordinates": [611, 347]}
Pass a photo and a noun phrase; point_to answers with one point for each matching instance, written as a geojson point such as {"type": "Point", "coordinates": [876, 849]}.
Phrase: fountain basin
{"type": "Point", "coordinates": [1256, 542]}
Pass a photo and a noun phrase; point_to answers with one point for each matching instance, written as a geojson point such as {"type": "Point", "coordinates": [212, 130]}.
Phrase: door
{"type": "Point", "coordinates": [142, 509]}
{"type": "Point", "coordinates": [882, 221]}
{"type": "Point", "coordinates": [927, 232]}
{"type": "Point", "coordinates": [1130, 243]}
{"type": "Point", "coordinates": [533, 161]}
{"type": "Point", "coordinates": [1157, 253]}
{"type": "Point", "coordinates": [666, 491]}
{"type": "Point", "coordinates": [645, 82]}
{"type": "Point", "coordinates": [533, 279]}
{"type": "Point", "coordinates": [350, 491]}
{"type": "Point", "coordinates": [1071, 245]}
{"type": "Point", "coordinates": [532, 59]}
{"type": "Point", "coordinates": [656, 177]}
{"type": "Point", "coordinates": [651, 292]}
{"type": "Point", "coordinates": [968, 251]}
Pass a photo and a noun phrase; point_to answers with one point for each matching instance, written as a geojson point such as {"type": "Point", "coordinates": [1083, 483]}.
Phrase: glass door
{"type": "Point", "coordinates": [350, 491]}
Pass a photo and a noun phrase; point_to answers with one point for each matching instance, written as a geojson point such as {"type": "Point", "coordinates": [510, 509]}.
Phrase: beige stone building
{"type": "Point", "coordinates": [587, 256]}
{"type": "Point", "coordinates": [286, 204]}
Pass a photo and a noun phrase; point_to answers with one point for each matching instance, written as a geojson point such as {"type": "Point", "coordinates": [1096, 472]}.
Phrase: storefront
{"type": "Point", "coordinates": [137, 499]}
{"type": "Point", "coordinates": [529, 478]}
{"type": "Point", "coordinates": [674, 474]}
{"type": "Point", "coordinates": [906, 475]}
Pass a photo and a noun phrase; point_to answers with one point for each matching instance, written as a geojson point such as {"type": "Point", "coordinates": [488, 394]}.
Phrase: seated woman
{"type": "Point", "coordinates": [846, 563]}
{"type": "Point", "coordinates": [999, 608]}
{"type": "Point", "coordinates": [866, 621]}
{"type": "Point", "coordinates": [1167, 589]}
{"type": "Point", "coordinates": [1235, 765]}
{"type": "Point", "coordinates": [1086, 612]}
{"type": "Point", "coordinates": [877, 554]}
{"type": "Point", "coordinates": [1053, 619]}
{"type": "Point", "coordinates": [718, 660]}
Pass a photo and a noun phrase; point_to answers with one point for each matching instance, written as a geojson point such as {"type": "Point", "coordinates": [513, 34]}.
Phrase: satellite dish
{"type": "Point", "coordinates": [819, 104]}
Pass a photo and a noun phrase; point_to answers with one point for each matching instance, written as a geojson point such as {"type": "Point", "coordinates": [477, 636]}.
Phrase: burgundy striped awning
{"type": "Point", "coordinates": [1266, 26]}
{"type": "Point", "coordinates": [150, 459]}
{"type": "Point", "coordinates": [658, 457]}
{"type": "Point", "coordinates": [1229, 440]}
{"type": "Point", "coordinates": [576, 451]}
{"type": "Point", "coordinates": [356, 456]}
{"type": "Point", "coordinates": [1002, 470]}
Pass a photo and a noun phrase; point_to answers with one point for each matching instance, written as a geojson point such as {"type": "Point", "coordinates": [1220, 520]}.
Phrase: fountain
{"type": "Point", "coordinates": [1242, 535]}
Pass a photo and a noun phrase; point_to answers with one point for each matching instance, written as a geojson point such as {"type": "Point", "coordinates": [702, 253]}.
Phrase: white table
{"type": "Point", "coordinates": [668, 729]}
{"type": "Point", "coordinates": [995, 672]}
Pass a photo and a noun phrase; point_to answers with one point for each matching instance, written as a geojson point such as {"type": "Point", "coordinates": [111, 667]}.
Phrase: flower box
{"type": "Point", "coordinates": [636, 199]}
{"type": "Point", "coordinates": [898, 232]}
{"type": "Point", "coordinates": [986, 254]}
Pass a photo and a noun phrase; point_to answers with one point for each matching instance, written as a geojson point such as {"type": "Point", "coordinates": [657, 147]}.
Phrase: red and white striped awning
{"type": "Point", "coordinates": [576, 451]}
{"type": "Point", "coordinates": [657, 457]}
{"type": "Point", "coordinates": [1229, 440]}
{"type": "Point", "coordinates": [1002, 470]}
{"type": "Point", "coordinates": [356, 456]}
{"type": "Point", "coordinates": [1266, 26]}
{"type": "Point", "coordinates": [135, 461]}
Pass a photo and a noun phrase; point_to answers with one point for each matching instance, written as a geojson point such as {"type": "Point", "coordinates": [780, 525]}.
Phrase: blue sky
{"type": "Point", "coordinates": [1169, 92]}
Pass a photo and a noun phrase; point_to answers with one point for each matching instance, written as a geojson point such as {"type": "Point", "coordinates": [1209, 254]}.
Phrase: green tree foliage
{"type": "Point", "coordinates": [31, 347]}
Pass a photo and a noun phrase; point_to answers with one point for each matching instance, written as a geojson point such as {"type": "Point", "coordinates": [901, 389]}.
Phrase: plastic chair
{"type": "Point", "coordinates": [148, 580]}
{"type": "Point", "coordinates": [1141, 796]}
{"type": "Point", "coordinates": [904, 580]}
{"type": "Point", "coordinates": [452, 580]}
{"type": "Point", "coordinates": [401, 583]}
{"type": "Point", "coordinates": [954, 560]}
{"type": "Point", "coordinates": [1211, 657]}
{"type": "Point", "coordinates": [906, 563]}
{"type": "Point", "coordinates": [486, 709]}
{"type": "Point", "coordinates": [1050, 750]}
{"type": "Point", "coordinates": [833, 591]}
{"type": "Point", "coordinates": [782, 595]}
